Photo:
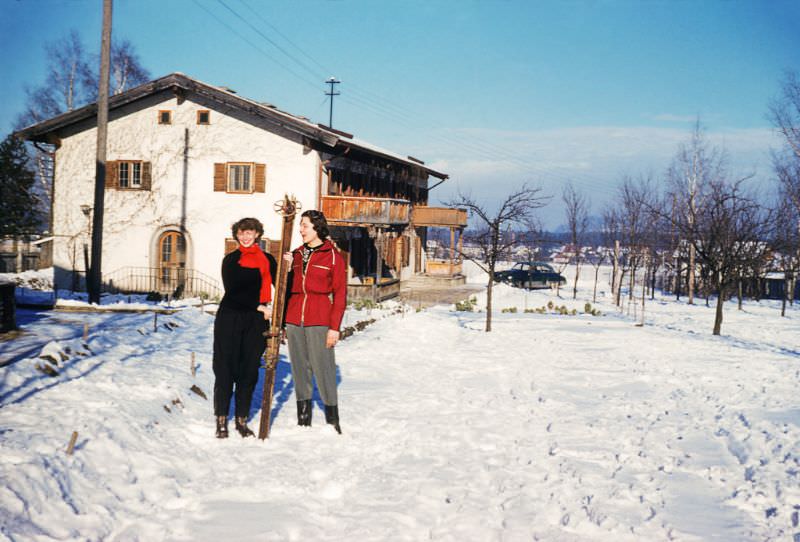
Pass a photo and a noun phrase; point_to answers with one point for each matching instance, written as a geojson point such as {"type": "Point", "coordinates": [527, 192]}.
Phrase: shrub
{"type": "Point", "coordinates": [366, 303]}
{"type": "Point", "coordinates": [510, 309]}
{"type": "Point", "coordinates": [468, 305]}
{"type": "Point", "coordinates": [587, 308]}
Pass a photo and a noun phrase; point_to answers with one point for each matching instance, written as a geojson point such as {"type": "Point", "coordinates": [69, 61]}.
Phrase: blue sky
{"type": "Point", "coordinates": [495, 93]}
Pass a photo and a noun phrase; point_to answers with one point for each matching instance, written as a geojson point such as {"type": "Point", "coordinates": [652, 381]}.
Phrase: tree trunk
{"type": "Point", "coordinates": [739, 285]}
{"type": "Point", "coordinates": [489, 300]}
{"type": "Point", "coordinates": [718, 316]}
{"type": "Point", "coordinates": [575, 283]}
{"type": "Point", "coordinates": [596, 273]}
{"type": "Point", "coordinates": [618, 300]}
{"type": "Point", "coordinates": [644, 290]}
{"type": "Point", "coordinates": [615, 269]}
{"type": "Point", "coordinates": [632, 284]}
{"type": "Point", "coordinates": [786, 293]}
{"type": "Point", "coordinates": [678, 281]}
{"type": "Point", "coordinates": [653, 270]}
{"type": "Point", "coordinates": [691, 275]}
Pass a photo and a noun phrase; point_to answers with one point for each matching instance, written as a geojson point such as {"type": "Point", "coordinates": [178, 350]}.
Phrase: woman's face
{"type": "Point", "coordinates": [307, 231]}
{"type": "Point", "coordinates": [246, 237]}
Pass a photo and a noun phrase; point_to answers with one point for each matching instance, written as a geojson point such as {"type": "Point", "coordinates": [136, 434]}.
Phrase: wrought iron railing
{"type": "Point", "coordinates": [178, 282]}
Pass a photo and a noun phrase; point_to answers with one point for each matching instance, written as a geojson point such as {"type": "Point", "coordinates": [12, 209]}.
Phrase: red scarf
{"type": "Point", "coordinates": [253, 258]}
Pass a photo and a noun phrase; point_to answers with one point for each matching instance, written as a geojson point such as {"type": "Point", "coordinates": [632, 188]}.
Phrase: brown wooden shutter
{"type": "Point", "coordinates": [261, 178]}
{"type": "Point", "coordinates": [230, 245]}
{"type": "Point", "coordinates": [220, 181]}
{"type": "Point", "coordinates": [147, 176]}
{"type": "Point", "coordinates": [112, 174]}
{"type": "Point", "coordinates": [406, 251]}
{"type": "Point", "coordinates": [274, 248]}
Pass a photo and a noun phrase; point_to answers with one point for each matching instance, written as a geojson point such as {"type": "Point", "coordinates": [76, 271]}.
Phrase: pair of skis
{"type": "Point", "coordinates": [288, 210]}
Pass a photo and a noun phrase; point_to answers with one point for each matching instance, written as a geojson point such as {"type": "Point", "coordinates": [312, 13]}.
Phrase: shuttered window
{"type": "Point", "coordinates": [128, 175]}
{"type": "Point", "coordinates": [240, 177]}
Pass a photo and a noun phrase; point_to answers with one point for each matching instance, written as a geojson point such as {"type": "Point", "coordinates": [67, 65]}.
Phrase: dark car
{"type": "Point", "coordinates": [530, 275]}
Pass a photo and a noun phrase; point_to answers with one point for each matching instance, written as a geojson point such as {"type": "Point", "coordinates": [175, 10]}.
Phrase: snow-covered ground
{"type": "Point", "coordinates": [550, 427]}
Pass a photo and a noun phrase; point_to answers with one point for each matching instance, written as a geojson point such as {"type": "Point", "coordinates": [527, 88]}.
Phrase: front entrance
{"type": "Point", "coordinates": [172, 261]}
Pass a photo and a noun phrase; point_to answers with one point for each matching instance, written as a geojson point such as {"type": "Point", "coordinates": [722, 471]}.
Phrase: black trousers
{"type": "Point", "coordinates": [238, 345]}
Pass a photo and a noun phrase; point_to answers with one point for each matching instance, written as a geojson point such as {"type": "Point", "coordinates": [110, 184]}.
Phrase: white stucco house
{"type": "Point", "coordinates": [186, 159]}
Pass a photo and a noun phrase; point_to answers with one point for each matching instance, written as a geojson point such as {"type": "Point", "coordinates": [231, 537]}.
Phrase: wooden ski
{"type": "Point", "coordinates": [287, 209]}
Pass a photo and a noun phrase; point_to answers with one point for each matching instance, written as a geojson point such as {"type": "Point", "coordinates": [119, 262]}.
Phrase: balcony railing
{"type": "Point", "coordinates": [443, 217]}
{"type": "Point", "coordinates": [164, 280]}
{"type": "Point", "coordinates": [346, 210]}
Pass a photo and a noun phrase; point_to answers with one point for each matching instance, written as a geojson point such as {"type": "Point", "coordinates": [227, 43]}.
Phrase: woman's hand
{"type": "Point", "coordinates": [332, 338]}
{"type": "Point", "coordinates": [266, 309]}
{"type": "Point", "coordinates": [287, 257]}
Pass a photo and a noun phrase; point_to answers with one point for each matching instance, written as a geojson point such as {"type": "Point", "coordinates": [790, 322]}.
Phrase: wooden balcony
{"type": "Point", "coordinates": [355, 211]}
{"type": "Point", "coordinates": [439, 217]}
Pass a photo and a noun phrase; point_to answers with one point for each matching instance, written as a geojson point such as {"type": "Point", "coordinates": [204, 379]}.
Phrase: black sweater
{"type": "Point", "coordinates": [242, 284]}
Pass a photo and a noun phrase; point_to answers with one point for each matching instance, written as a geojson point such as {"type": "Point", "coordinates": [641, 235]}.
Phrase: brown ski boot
{"type": "Point", "coordinates": [241, 426]}
{"type": "Point", "coordinates": [222, 427]}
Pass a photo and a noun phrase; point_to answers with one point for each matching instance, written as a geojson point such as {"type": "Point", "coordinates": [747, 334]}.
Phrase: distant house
{"type": "Point", "coordinates": [187, 159]}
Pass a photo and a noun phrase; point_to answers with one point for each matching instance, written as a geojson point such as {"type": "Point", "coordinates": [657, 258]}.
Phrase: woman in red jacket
{"type": "Point", "coordinates": [317, 298]}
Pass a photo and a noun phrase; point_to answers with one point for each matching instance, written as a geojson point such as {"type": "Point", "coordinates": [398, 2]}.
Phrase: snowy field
{"type": "Point", "coordinates": [551, 427]}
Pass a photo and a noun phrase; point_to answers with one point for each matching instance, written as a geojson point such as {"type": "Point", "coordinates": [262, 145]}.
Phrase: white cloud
{"type": "Point", "coordinates": [490, 163]}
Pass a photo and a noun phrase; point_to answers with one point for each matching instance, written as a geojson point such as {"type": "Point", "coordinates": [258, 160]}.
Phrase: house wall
{"type": "Point", "coordinates": [182, 156]}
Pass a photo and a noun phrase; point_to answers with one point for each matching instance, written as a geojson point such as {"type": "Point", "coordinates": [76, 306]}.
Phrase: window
{"type": "Point", "coordinates": [165, 117]}
{"type": "Point", "coordinates": [239, 176]}
{"type": "Point", "coordinates": [130, 174]}
{"type": "Point", "coordinates": [204, 116]}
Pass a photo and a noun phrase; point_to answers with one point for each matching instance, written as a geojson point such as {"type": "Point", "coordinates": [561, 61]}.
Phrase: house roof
{"type": "Point", "coordinates": [334, 139]}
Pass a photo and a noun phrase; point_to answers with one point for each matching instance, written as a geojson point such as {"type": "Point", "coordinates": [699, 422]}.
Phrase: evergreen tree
{"type": "Point", "coordinates": [18, 204]}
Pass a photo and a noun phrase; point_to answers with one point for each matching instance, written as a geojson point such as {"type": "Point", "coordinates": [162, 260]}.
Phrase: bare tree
{"type": "Point", "coordinates": [784, 112]}
{"type": "Point", "coordinates": [786, 241]}
{"type": "Point", "coordinates": [611, 237]}
{"type": "Point", "coordinates": [728, 232]}
{"type": "Point", "coordinates": [577, 210]}
{"type": "Point", "coordinates": [634, 220]}
{"type": "Point", "coordinates": [71, 83]}
{"type": "Point", "coordinates": [494, 235]}
{"type": "Point", "coordinates": [785, 115]}
{"type": "Point", "coordinates": [126, 69]}
{"type": "Point", "coordinates": [693, 167]}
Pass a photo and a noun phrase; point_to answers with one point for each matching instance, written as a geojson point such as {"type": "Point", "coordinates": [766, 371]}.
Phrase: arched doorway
{"type": "Point", "coordinates": [172, 261]}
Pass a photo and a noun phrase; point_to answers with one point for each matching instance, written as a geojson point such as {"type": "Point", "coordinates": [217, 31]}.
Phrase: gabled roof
{"type": "Point", "coordinates": [177, 82]}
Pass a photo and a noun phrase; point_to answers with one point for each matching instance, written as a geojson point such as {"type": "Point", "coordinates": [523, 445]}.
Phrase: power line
{"type": "Point", "coordinates": [363, 99]}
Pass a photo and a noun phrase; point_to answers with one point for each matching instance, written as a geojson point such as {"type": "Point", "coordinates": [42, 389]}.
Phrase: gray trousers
{"type": "Point", "coordinates": [310, 357]}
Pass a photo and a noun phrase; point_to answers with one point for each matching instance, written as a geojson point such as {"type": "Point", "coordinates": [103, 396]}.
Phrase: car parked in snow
{"type": "Point", "coordinates": [530, 275]}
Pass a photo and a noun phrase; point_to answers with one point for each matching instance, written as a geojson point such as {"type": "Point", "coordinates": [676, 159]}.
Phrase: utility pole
{"type": "Point", "coordinates": [332, 81]}
{"type": "Point", "coordinates": [100, 161]}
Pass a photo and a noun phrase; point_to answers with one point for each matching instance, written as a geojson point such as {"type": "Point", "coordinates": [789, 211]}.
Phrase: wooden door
{"type": "Point", "coordinates": [172, 260]}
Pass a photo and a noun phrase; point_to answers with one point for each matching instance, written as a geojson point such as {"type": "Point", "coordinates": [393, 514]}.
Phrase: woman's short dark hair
{"type": "Point", "coordinates": [318, 222]}
{"type": "Point", "coordinates": [248, 224]}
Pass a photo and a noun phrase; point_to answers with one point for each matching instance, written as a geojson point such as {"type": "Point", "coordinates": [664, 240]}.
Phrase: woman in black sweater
{"type": "Point", "coordinates": [247, 276]}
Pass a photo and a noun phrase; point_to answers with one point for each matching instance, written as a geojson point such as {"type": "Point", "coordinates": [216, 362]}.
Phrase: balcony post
{"type": "Point", "coordinates": [452, 247]}
{"type": "Point", "coordinates": [378, 262]}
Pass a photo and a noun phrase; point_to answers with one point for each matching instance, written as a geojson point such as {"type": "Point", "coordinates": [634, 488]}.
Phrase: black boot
{"type": "Point", "coordinates": [332, 417]}
{"type": "Point", "coordinates": [222, 427]}
{"type": "Point", "coordinates": [304, 413]}
{"type": "Point", "coordinates": [241, 426]}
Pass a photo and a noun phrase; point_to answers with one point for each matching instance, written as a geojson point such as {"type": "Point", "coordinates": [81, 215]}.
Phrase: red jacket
{"type": "Point", "coordinates": [318, 296]}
